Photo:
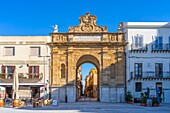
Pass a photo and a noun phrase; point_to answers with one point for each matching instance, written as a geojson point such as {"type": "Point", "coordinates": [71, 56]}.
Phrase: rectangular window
{"type": "Point", "coordinates": [112, 71]}
{"type": "Point", "coordinates": [159, 89]}
{"type": "Point", "coordinates": [158, 44]}
{"type": "Point", "coordinates": [138, 41]}
{"type": "Point", "coordinates": [138, 69]}
{"type": "Point", "coordinates": [63, 74]}
{"type": "Point", "coordinates": [33, 71]}
{"type": "Point", "coordinates": [138, 86]}
{"type": "Point", "coordinates": [9, 51]}
{"type": "Point", "coordinates": [35, 51]}
{"type": "Point", "coordinates": [159, 70]}
{"type": "Point", "coordinates": [7, 71]}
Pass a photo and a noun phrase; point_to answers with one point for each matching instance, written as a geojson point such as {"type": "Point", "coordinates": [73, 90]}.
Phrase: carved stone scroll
{"type": "Point", "coordinates": [88, 24]}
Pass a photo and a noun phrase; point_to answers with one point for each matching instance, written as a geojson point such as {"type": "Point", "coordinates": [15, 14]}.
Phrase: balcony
{"type": "Point", "coordinates": [138, 48]}
{"type": "Point", "coordinates": [23, 77]}
{"type": "Point", "coordinates": [160, 48]}
{"type": "Point", "coordinates": [150, 75]}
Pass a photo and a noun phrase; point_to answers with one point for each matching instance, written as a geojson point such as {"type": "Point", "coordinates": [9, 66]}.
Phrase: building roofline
{"type": "Point", "coordinates": [146, 24]}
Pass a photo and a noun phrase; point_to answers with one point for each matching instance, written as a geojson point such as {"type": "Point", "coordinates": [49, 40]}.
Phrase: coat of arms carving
{"type": "Point", "coordinates": [88, 24]}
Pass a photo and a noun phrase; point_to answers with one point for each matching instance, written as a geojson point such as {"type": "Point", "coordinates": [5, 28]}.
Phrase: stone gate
{"type": "Point", "coordinates": [88, 42]}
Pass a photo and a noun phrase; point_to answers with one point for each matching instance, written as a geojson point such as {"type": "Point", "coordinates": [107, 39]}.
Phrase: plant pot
{"type": "Point", "coordinates": [15, 103]}
{"type": "Point", "coordinates": [1, 103]}
{"type": "Point", "coordinates": [45, 102]}
{"type": "Point", "coordinates": [130, 102]}
{"type": "Point", "coordinates": [155, 105]}
{"type": "Point", "coordinates": [142, 104]}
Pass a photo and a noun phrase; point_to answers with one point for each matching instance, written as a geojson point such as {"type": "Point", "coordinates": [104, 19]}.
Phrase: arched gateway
{"type": "Point", "coordinates": [88, 58]}
{"type": "Point", "coordinates": [87, 42]}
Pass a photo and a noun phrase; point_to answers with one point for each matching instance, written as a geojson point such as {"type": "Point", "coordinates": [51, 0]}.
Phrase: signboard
{"type": "Point", "coordinates": [54, 103]}
{"type": "Point", "coordinates": [2, 92]}
{"type": "Point", "coordinates": [87, 38]}
{"type": "Point", "coordinates": [24, 93]}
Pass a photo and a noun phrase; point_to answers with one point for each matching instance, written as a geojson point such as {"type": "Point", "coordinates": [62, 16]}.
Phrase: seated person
{"type": "Point", "coordinates": [7, 99]}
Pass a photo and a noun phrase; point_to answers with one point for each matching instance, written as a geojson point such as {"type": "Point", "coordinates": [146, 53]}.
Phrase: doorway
{"type": "Point", "coordinates": [9, 91]}
{"type": "Point", "coordinates": [87, 80]}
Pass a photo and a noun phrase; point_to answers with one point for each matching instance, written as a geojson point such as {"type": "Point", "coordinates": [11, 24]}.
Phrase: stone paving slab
{"type": "Point", "coordinates": [90, 107]}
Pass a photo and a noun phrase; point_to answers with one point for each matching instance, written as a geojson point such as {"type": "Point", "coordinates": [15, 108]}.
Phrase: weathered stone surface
{"type": "Point", "coordinates": [106, 54]}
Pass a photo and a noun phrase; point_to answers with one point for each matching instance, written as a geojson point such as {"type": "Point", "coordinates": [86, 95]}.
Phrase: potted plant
{"type": "Point", "coordinates": [129, 98]}
{"type": "Point", "coordinates": [1, 101]}
{"type": "Point", "coordinates": [143, 99]}
{"type": "Point", "coordinates": [155, 101]}
{"type": "Point", "coordinates": [0, 75]}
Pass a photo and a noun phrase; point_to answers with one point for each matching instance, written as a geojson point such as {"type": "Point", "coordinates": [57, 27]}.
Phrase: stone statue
{"type": "Point", "coordinates": [55, 28]}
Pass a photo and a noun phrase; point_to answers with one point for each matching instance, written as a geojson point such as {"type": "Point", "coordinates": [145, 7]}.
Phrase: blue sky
{"type": "Point", "coordinates": [86, 67]}
{"type": "Point", "coordinates": [36, 17]}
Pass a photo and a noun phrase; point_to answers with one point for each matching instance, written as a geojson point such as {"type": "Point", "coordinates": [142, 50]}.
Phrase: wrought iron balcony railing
{"type": "Point", "coordinates": [161, 47]}
{"type": "Point", "coordinates": [139, 47]}
{"type": "Point", "coordinates": [150, 75]}
{"type": "Point", "coordinates": [23, 77]}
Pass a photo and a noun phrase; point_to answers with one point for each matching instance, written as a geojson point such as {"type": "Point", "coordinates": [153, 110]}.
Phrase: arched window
{"type": "Point", "coordinates": [63, 74]}
{"type": "Point", "coordinates": [112, 71]}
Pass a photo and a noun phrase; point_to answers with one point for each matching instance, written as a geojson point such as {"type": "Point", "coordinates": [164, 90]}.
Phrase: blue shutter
{"type": "Point", "coordinates": [160, 41]}
{"type": "Point", "coordinates": [169, 44]}
{"type": "Point", "coordinates": [156, 43]}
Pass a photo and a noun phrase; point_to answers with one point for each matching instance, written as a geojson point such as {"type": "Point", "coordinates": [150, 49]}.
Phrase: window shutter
{"type": "Point", "coordinates": [37, 71]}
{"type": "Point", "coordinates": [4, 71]}
{"type": "Point", "coordinates": [141, 41]}
{"type": "Point", "coordinates": [13, 69]}
{"type": "Point", "coordinates": [35, 51]}
{"type": "Point", "coordinates": [30, 71]}
{"type": "Point", "coordinates": [133, 43]}
{"type": "Point", "coordinates": [160, 41]}
{"type": "Point", "coordinates": [136, 41]}
{"type": "Point", "coordinates": [156, 42]}
{"type": "Point", "coordinates": [169, 43]}
{"type": "Point", "coordinates": [9, 51]}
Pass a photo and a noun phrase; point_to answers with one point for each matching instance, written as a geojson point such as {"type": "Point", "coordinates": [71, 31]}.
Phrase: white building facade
{"type": "Point", "coordinates": [147, 58]}
{"type": "Point", "coordinates": [31, 54]}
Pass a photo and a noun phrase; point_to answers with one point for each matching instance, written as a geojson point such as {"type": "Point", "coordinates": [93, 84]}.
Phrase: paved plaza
{"type": "Point", "coordinates": [90, 107]}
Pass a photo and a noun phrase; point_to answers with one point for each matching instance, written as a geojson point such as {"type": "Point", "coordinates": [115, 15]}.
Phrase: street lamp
{"type": "Point", "coordinates": [44, 69]}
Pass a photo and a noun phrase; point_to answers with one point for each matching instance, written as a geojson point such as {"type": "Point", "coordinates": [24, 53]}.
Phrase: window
{"type": "Point", "coordinates": [138, 69]}
{"type": "Point", "coordinates": [33, 71]}
{"type": "Point", "coordinates": [169, 44]}
{"type": "Point", "coordinates": [159, 70]}
{"type": "Point", "coordinates": [63, 74]}
{"type": "Point", "coordinates": [9, 51]}
{"type": "Point", "coordinates": [159, 89]}
{"type": "Point", "coordinates": [138, 86]}
{"type": "Point", "coordinates": [137, 41]}
{"type": "Point", "coordinates": [158, 44]}
{"type": "Point", "coordinates": [112, 71]}
{"type": "Point", "coordinates": [35, 51]}
{"type": "Point", "coordinates": [7, 71]}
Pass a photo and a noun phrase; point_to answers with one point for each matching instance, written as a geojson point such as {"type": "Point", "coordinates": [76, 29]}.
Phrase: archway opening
{"type": "Point", "coordinates": [87, 79]}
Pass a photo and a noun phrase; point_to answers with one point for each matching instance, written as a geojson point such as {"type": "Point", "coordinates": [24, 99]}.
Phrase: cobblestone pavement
{"type": "Point", "coordinates": [90, 107]}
